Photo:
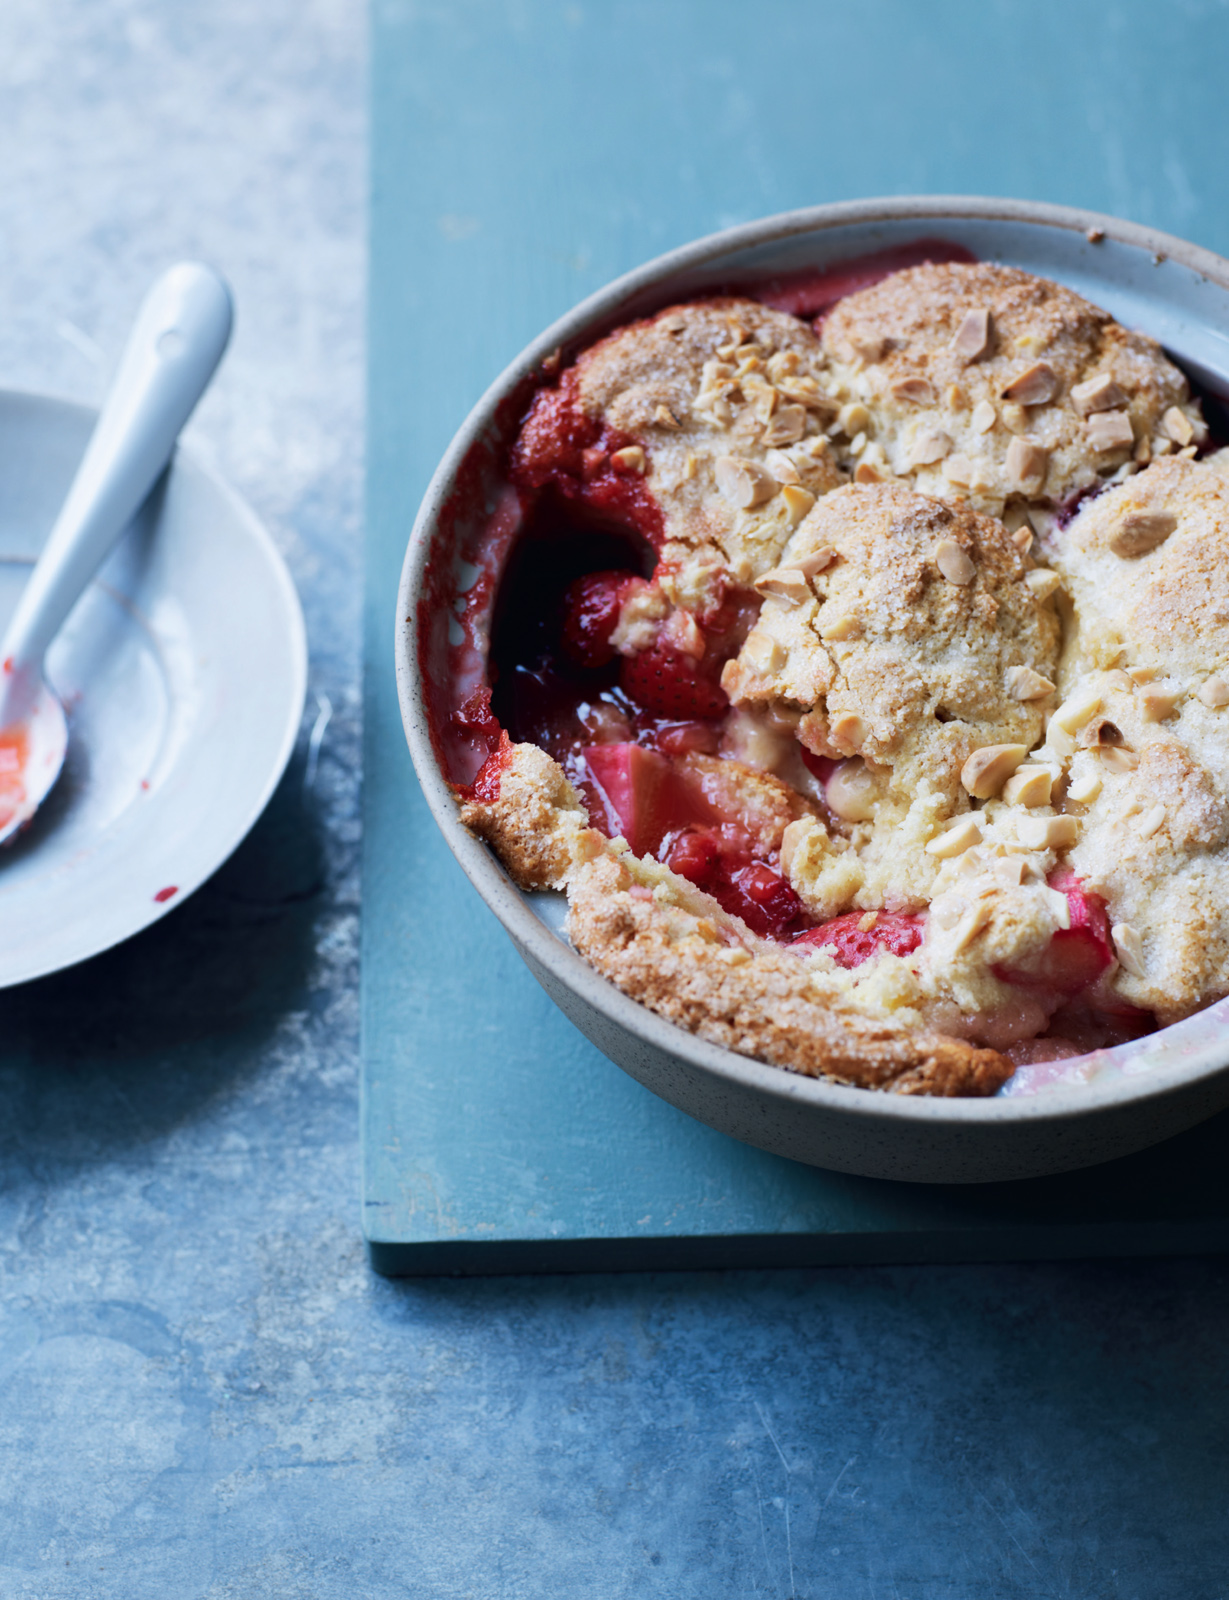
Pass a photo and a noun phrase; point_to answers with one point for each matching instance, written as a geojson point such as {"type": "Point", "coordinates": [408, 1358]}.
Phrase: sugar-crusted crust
{"type": "Point", "coordinates": [941, 417]}
{"type": "Point", "coordinates": [715, 381]}
{"type": "Point", "coordinates": [1153, 841]}
{"type": "Point", "coordinates": [753, 997]}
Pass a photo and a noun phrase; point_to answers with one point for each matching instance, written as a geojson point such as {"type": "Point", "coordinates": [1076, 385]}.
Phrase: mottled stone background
{"type": "Point", "coordinates": [203, 1390]}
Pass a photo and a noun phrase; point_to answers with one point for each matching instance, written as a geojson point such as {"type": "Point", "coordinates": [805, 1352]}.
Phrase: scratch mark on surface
{"type": "Point", "coordinates": [836, 1482]}
{"type": "Point", "coordinates": [772, 1436]}
{"type": "Point", "coordinates": [996, 1512]}
{"type": "Point", "coordinates": [789, 1544]}
{"type": "Point", "coordinates": [324, 714]}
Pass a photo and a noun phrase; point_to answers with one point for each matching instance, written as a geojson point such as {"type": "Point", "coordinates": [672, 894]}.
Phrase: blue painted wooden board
{"type": "Point", "coordinates": [523, 155]}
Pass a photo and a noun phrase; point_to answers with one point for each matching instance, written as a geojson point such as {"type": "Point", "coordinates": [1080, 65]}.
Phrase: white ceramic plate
{"type": "Point", "coordinates": [183, 668]}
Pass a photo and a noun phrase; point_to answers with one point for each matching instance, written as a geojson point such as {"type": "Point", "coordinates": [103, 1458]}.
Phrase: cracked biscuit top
{"type": "Point", "coordinates": [987, 381]}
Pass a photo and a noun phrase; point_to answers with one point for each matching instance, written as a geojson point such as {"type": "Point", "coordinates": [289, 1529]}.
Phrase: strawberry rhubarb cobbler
{"type": "Point", "coordinates": [864, 680]}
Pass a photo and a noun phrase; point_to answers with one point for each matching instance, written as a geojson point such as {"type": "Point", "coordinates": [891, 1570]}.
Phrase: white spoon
{"type": "Point", "coordinates": [174, 348]}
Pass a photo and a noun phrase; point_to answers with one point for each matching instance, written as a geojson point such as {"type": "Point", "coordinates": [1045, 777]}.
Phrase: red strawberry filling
{"type": "Point", "coordinates": [854, 938]}
{"type": "Point", "coordinates": [1076, 956]}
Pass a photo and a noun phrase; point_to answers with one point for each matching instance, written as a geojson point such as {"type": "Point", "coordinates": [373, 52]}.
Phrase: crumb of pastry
{"type": "Point", "coordinates": [673, 952]}
{"type": "Point", "coordinates": [984, 381]}
{"type": "Point", "coordinates": [537, 822]}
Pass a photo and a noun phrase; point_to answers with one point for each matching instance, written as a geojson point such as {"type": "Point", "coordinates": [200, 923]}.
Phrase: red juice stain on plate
{"type": "Point", "coordinates": [165, 894]}
{"type": "Point", "coordinates": [14, 752]}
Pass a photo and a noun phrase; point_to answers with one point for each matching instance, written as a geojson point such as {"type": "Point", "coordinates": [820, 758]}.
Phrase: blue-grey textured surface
{"type": "Point", "coordinates": [203, 1390]}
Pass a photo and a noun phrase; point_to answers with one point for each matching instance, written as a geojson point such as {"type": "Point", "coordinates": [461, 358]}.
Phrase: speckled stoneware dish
{"type": "Point", "coordinates": [1102, 1105]}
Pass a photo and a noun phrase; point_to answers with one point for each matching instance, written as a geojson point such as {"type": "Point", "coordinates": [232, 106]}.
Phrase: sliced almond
{"type": "Point", "coordinates": [790, 840]}
{"type": "Point", "coordinates": [1141, 675]}
{"type": "Point", "coordinates": [1076, 711]}
{"type": "Point", "coordinates": [1084, 790]}
{"type": "Point", "coordinates": [971, 924]}
{"type": "Point", "coordinates": [1214, 692]}
{"type": "Point", "coordinates": [1110, 430]}
{"type": "Point", "coordinates": [762, 652]}
{"type": "Point", "coordinates": [972, 338]}
{"type": "Point", "coordinates": [1098, 733]}
{"type": "Point", "coordinates": [868, 472]}
{"type": "Point", "coordinates": [665, 418]}
{"type": "Point", "coordinates": [1028, 786]}
{"type": "Point", "coordinates": [798, 501]}
{"type": "Point", "coordinates": [814, 561]}
{"type": "Point", "coordinates": [1022, 538]}
{"type": "Point", "coordinates": [988, 769]}
{"type": "Point", "coordinates": [1151, 821]}
{"type": "Point", "coordinates": [1025, 684]}
{"type": "Point", "coordinates": [1130, 948]}
{"type": "Point", "coordinates": [781, 467]}
{"type": "Point", "coordinates": [744, 483]}
{"type": "Point", "coordinates": [854, 419]}
{"type": "Point", "coordinates": [956, 838]}
{"type": "Point", "coordinates": [1035, 386]}
{"type": "Point", "coordinates": [1047, 833]}
{"type": "Point", "coordinates": [1043, 582]}
{"type": "Point", "coordinates": [1138, 532]}
{"type": "Point", "coordinates": [954, 563]}
{"type": "Point", "coordinates": [848, 733]}
{"type": "Point", "coordinates": [919, 391]}
{"type": "Point", "coordinates": [630, 460]}
{"type": "Point", "coordinates": [1177, 426]}
{"type": "Point", "coordinates": [1026, 464]}
{"type": "Point", "coordinates": [1116, 759]}
{"type": "Point", "coordinates": [852, 791]}
{"type": "Point", "coordinates": [846, 626]}
{"type": "Point", "coordinates": [1097, 394]}
{"type": "Point", "coordinates": [930, 445]}
{"type": "Point", "coordinates": [958, 469]}
{"type": "Point", "coordinates": [984, 417]}
{"type": "Point", "coordinates": [784, 583]}
{"type": "Point", "coordinates": [786, 425]}
{"type": "Point", "coordinates": [1009, 871]}
{"type": "Point", "coordinates": [1158, 700]}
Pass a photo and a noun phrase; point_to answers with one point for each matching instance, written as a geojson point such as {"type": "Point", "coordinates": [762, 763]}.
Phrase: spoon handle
{"type": "Point", "coordinates": [175, 345]}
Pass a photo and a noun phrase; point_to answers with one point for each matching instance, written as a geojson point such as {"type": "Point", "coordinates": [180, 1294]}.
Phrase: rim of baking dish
{"type": "Point", "coordinates": [1187, 1051]}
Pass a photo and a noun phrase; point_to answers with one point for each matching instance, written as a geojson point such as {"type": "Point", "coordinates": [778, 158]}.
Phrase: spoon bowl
{"type": "Point", "coordinates": [32, 753]}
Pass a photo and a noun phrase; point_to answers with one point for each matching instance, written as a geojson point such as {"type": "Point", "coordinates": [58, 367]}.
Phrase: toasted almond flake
{"type": "Point", "coordinates": [1162, 447]}
{"type": "Point", "coordinates": [1094, 235]}
{"type": "Point", "coordinates": [1150, 822]}
{"type": "Point", "coordinates": [784, 583]}
{"type": "Point", "coordinates": [988, 769]}
{"type": "Point", "coordinates": [1141, 675]}
{"type": "Point", "coordinates": [814, 561]}
{"type": "Point", "coordinates": [959, 836]}
{"type": "Point", "coordinates": [958, 469]}
{"type": "Point", "coordinates": [984, 417]}
{"type": "Point", "coordinates": [1043, 582]}
{"type": "Point", "coordinates": [954, 563]}
{"type": "Point", "coordinates": [1014, 417]}
{"type": "Point", "coordinates": [1035, 386]}
{"type": "Point", "coordinates": [806, 392]}
{"type": "Point", "coordinates": [1138, 532]}
{"type": "Point", "coordinates": [1178, 426]}
{"type": "Point", "coordinates": [854, 419]}
{"type": "Point", "coordinates": [733, 956]}
{"type": "Point", "coordinates": [848, 733]}
{"type": "Point", "coordinates": [846, 626]}
{"type": "Point", "coordinates": [852, 791]}
{"type": "Point", "coordinates": [1009, 871]}
{"type": "Point", "coordinates": [1084, 790]}
{"type": "Point", "coordinates": [744, 483]}
{"type": "Point", "coordinates": [1130, 948]}
{"type": "Point", "coordinates": [1022, 538]}
{"type": "Point", "coordinates": [867, 472]}
{"type": "Point", "coordinates": [1047, 833]}
{"type": "Point", "coordinates": [930, 445]}
{"type": "Point", "coordinates": [630, 459]}
{"type": "Point", "coordinates": [918, 391]}
{"type": "Point", "coordinates": [665, 418]}
{"type": "Point", "coordinates": [1076, 711]}
{"type": "Point", "coordinates": [858, 443]}
{"type": "Point", "coordinates": [1028, 786]}
{"type": "Point", "coordinates": [1142, 454]}
{"type": "Point", "coordinates": [1109, 430]}
{"type": "Point", "coordinates": [1116, 678]}
{"type": "Point", "coordinates": [1099, 732]}
{"type": "Point", "coordinates": [782, 364]}
{"type": "Point", "coordinates": [786, 426]}
{"type": "Point", "coordinates": [1025, 684]}
{"type": "Point", "coordinates": [972, 338]}
{"type": "Point", "coordinates": [1188, 454]}
{"type": "Point", "coordinates": [1116, 759]}
{"type": "Point", "coordinates": [798, 501]}
{"type": "Point", "coordinates": [970, 925]}
{"type": "Point", "coordinates": [1214, 692]}
{"type": "Point", "coordinates": [1026, 464]}
{"type": "Point", "coordinates": [1097, 394]}
{"type": "Point", "coordinates": [1158, 701]}
{"type": "Point", "coordinates": [762, 652]}
{"type": "Point", "coordinates": [781, 467]}
{"type": "Point", "coordinates": [690, 467]}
